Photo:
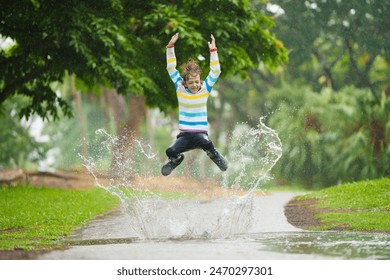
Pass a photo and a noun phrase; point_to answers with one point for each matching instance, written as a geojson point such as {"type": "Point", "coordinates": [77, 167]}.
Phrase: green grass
{"type": "Point", "coordinates": [37, 218]}
{"type": "Point", "coordinates": [359, 206]}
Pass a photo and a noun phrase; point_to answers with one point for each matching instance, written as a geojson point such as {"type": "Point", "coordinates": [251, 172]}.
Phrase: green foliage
{"type": "Point", "coordinates": [337, 43]}
{"type": "Point", "coordinates": [360, 206]}
{"type": "Point", "coordinates": [17, 147]}
{"type": "Point", "coordinates": [120, 44]}
{"type": "Point", "coordinates": [330, 137]}
{"type": "Point", "coordinates": [37, 218]}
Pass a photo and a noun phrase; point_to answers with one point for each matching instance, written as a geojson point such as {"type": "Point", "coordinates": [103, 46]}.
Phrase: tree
{"type": "Point", "coordinates": [17, 147]}
{"type": "Point", "coordinates": [337, 43]}
{"type": "Point", "coordinates": [120, 44]}
{"type": "Point", "coordinates": [330, 137]}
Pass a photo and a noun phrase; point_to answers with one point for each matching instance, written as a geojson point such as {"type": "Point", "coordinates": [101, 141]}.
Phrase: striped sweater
{"type": "Point", "coordinates": [193, 107]}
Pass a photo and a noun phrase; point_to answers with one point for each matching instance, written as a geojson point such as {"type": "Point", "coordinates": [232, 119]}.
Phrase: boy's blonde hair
{"type": "Point", "coordinates": [190, 69]}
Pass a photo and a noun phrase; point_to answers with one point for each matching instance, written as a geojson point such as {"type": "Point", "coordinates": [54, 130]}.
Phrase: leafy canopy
{"type": "Point", "coordinates": [337, 42]}
{"type": "Point", "coordinates": [120, 44]}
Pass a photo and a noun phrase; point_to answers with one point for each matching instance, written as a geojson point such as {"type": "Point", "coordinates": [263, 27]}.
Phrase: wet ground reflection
{"type": "Point", "coordinates": [265, 245]}
{"type": "Point", "coordinates": [347, 245]}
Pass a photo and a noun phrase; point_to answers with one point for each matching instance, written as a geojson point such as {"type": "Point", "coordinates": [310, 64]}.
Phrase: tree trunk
{"type": "Point", "coordinates": [149, 127]}
{"type": "Point", "coordinates": [137, 111]}
{"type": "Point", "coordinates": [218, 122]}
{"type": "Point", "coordinates": [80, 117]}
{"type": "Point", "coordinates": [128, 117]}
{"type": "Point", "coordinates": [378, 138]}
{"type": "Point", "coordinates": [117, 107]}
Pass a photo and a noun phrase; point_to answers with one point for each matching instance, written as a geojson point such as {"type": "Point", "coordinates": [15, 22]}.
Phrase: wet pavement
{"type": "Point", "coordinates": [188, 229]}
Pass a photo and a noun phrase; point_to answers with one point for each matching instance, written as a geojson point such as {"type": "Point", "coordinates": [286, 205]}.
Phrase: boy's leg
{"type": "Point", "coordinates": [218, 159]}
{"type": "Point", "coordinates": [207, 145]}
{"type": "Point", "coordinates": [175, 154]}
{"type": "Point", "coordinates": [168, 167]}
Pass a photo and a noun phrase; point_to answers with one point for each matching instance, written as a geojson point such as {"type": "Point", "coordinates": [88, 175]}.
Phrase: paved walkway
{"type": "Point", "coordinates": [114, 238]}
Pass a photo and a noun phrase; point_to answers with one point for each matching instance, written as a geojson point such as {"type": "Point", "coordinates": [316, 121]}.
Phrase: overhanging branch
{"type": "Point", "coordinates": [12, 87]}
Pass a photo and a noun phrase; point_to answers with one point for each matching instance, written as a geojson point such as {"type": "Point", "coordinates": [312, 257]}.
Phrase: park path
{"type": "Point", "coordinates": [268, 222]}
{"type": "Point", "coordinates": [269, 237]}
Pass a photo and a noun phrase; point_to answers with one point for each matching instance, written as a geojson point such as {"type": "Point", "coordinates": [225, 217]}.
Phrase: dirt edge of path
{"type": "Point", "coordinates": [301, 213]}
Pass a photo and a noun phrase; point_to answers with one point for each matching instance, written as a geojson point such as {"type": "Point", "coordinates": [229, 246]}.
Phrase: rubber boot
{"type": "Point", "coordinates": [171, 165]}
{"type": "Point", "coordinates": [218, 159]}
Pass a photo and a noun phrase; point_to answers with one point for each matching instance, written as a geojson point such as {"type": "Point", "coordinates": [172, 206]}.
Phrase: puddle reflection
{"type": "Point", "coordinates": [347, 245]}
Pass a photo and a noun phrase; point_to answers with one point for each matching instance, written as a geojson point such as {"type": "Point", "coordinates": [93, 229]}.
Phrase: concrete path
{"type": "Point", "coordinates": [268, 236]}
{"type": "Point", "coordinates": [267, 221]}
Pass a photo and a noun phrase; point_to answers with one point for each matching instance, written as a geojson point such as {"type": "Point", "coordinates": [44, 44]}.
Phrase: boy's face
{"type": "Point", "coordinates": [193, 83]}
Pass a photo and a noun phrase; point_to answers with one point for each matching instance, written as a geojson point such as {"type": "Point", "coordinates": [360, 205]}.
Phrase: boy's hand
{"type": "Point", "coordinates": [212, 44]}
{"type": "Point", "coordinates": [173, 39]}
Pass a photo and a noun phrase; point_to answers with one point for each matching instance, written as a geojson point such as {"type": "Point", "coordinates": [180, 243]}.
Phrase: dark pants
{"type": "Point", "coordinates": [189, 141]}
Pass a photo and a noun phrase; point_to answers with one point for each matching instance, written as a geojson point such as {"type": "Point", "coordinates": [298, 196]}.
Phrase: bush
{"type": "Point", "coordinates": [330, 136]}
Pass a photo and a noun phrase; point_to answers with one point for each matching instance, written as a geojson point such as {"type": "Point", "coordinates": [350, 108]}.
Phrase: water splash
{"type": "Point", "coordinates": [253, 153]}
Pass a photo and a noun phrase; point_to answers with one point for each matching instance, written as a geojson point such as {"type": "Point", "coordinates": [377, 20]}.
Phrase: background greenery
{"type": "Point", "coordinates": [329, 103]}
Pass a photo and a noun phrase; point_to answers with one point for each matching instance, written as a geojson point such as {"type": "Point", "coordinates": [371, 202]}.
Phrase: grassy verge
{"type": "Point", "coordinates": [360, 206]}
{"type": "Point", "coordinates": [36, 218]}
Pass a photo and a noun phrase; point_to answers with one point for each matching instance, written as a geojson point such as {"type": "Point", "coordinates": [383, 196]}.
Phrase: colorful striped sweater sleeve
{"type": "Point", "coordinates": [215, 70]}
{"type": "Point", "coordinates": [171, 66]}
{"type": "Point", "coordinates": [193, 107]}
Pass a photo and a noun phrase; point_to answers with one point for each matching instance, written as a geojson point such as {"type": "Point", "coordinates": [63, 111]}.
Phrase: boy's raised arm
{"type": "Point", "coordinates": [212, 44]}
{"type": "Point", "coordinates": [215, 68]}
{"type": "Point", "coordinates": [173, 40]}
{"type": "Point", "coordinates": [171, 60]}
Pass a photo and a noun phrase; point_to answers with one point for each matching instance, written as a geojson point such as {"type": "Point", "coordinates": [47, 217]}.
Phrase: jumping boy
{"type": "Point", "coordinates": [192, 94]}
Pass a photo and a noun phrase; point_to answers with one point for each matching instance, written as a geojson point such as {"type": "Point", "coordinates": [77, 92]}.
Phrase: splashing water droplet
{"type": "Point", "coordinates": [253, 153]}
